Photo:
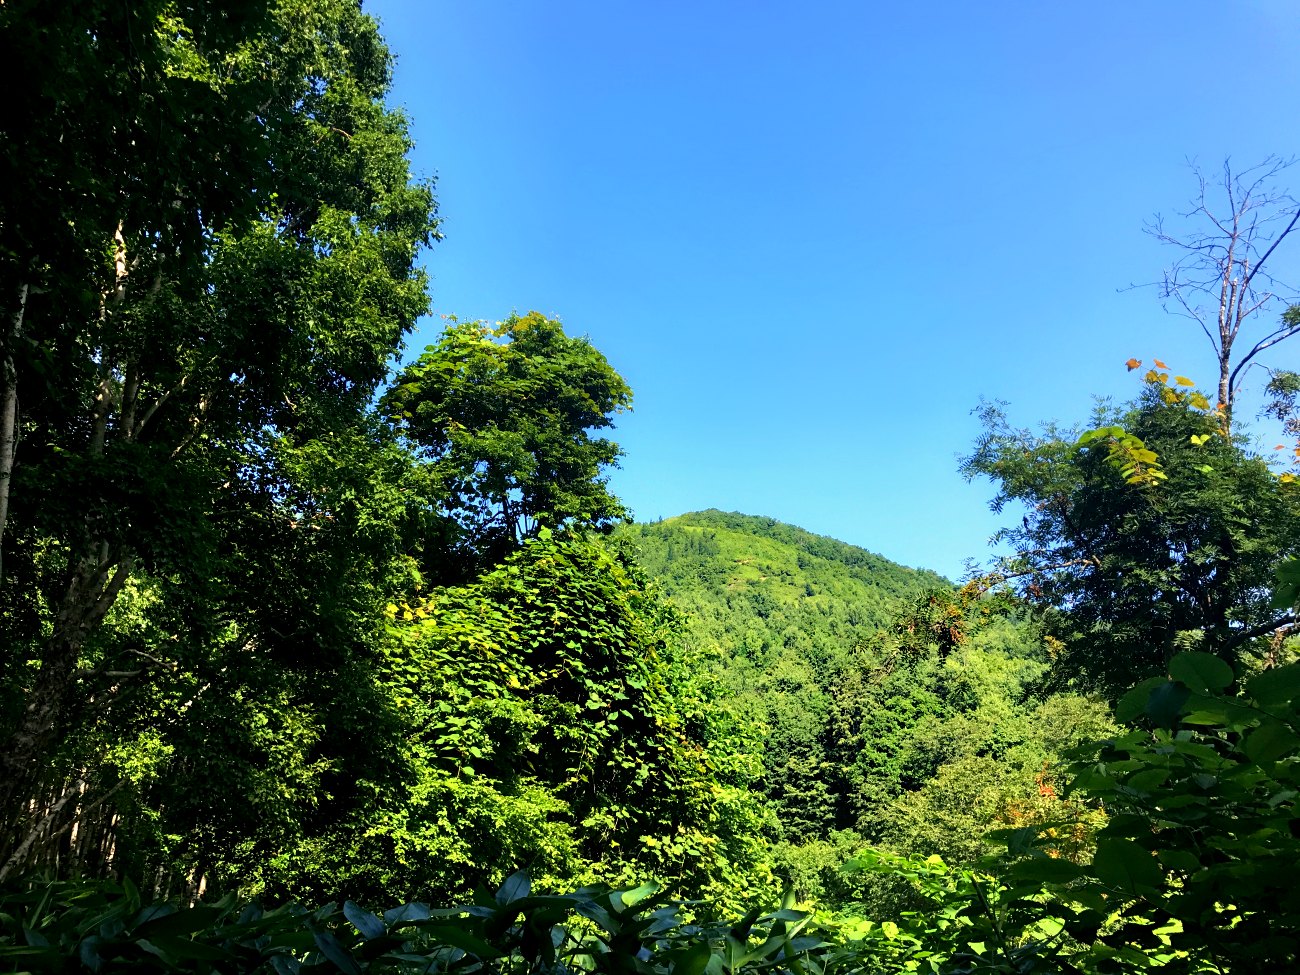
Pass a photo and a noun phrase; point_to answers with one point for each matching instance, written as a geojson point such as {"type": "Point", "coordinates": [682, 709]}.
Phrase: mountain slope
{"type": "Point", "coordinates": [753, 585]}
{"type": "Point", "coordinates": [786, 610]}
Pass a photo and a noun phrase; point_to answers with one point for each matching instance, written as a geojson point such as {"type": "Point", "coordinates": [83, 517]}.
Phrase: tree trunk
{"type": "Point", "coordinates": [1225, 389]}
{"type": "Point", "coordinates": [9, 417]}
{"type": "Point", "coordinates": [50, 701]}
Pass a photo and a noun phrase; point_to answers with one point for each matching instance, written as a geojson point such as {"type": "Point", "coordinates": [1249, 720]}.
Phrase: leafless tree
{"type": "Point", "coordinates": [1222, 278]}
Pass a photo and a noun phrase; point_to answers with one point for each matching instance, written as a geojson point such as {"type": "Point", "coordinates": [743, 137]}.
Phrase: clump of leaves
{"type": "Point", "coordinates": [1195, 868]}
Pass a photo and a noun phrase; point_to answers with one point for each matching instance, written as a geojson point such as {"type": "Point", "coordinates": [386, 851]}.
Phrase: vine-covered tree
{"type": "Point", "coordinates": [555, 720]}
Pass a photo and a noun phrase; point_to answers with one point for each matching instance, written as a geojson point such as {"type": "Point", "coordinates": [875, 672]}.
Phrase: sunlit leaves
{"type": "Point", "coordinates": [506, 417]}
{"type": "Point", "coordinates": [556, 677]}
{"type": "Point", "coordinates": [1202, 832]}
{"type": "Point", "coordinates": [1150, 521]}
{"type": "Point", "coordinates": [1137, 464]}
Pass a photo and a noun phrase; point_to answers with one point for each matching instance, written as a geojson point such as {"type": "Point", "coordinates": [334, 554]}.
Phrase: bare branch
{"type": "Point", "coordinates": [1272, 247]}
{"type": "Point", "coordinates": [1281, 335]}
{"type": "Point", "coordinates": [1224, 263]}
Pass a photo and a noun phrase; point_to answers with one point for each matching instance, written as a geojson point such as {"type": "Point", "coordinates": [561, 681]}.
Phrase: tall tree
{"type": "Point", "coordinates": [506, 415]}
{"type": "Point", "coordinates": [207, 258]}
{"type": "Point", "coordinates": [1133, 572]}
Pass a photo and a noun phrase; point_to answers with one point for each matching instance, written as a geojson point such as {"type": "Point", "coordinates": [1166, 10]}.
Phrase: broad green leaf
{"type": "Point", "coordinates": [630, 898]}
{"type": "Point", "coordinates": [515, 887]}
{"type": "Point", "coordinates": [1134, 703]}
{"type": "Point", "coordinates": [1286, 593]}
{"type": "Point", "coordinates": [1270, 742]}
{"type": "Point", "coordinates": [1147, 780]}
{"type": "Point", "coordinates": [366, 923]}
{"type": "Point", "coordinates": [1280, 685]}
{"type": "Point", "coordinates": [1166, 703]}
{"type": "Point", "coordinates": [692, 960]}
{"type": "Point", "coordinates": [1203, 673]}
{"type": "Point", "coordinates": [332, 949]}
{"type": "Point", "coordinates": [1126, 867]}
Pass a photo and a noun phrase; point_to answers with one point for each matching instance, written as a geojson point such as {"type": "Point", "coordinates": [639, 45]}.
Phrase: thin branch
{"type": "Point", "coordinates": [987, 582]}
{"type": "Point", "coordinates": [158, 403]}
{"type": "Point", "coordinates": [1272, 247]}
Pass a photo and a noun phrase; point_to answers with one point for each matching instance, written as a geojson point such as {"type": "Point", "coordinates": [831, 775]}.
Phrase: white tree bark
{"type": "Point", "coordinates": [9, 417]}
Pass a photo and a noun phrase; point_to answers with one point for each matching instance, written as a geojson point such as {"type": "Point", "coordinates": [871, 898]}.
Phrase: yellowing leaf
{"type": "Point", "coordinates": [1160, 364]}
{"type": "Point", "coordinates": [1183, 381]}
{"type": "Point", "coordinates": [1199, 401]}
{"type": "Point", "coordinates": [1133, 364]}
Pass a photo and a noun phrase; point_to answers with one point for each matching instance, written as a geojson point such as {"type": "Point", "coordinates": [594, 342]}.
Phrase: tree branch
{"type": "Point", "coordinates": [1263, 629]}
{"type": "Point", "coordinates": [1272, 247]}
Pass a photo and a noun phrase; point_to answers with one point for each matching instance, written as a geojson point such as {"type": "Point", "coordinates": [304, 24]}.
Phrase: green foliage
{"type": "Point", "coordinates": [106, 929]}
{"type": "Point", "coordinates": [219, 252]}
{"type": "Point", "coordinates": [1133, 573]}
{"type": "Point", "coordinates": [222, 667]}
{"type": "Point", "coordinates": [944, 744]}
{"type": "Point", "coordinates": [505, 417]}
{"type": "Point", "coordinates": [551, 719]}
{"type": "Point", "coordinates": [785, 611]}
{"type": "Point", "coordinates": [1195, 867]}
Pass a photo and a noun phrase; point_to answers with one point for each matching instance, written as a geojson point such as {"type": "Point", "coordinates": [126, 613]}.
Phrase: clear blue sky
{"type": "Point", "coordinates": [812, 235]}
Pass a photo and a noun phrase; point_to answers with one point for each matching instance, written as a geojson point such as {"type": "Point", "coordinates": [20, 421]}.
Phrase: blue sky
{"type": "Point", "coordinates": [811, 236]}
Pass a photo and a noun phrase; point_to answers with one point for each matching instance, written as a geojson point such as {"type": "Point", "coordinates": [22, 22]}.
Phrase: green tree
{"type": "Point", "coordinates": [505, 415]}
{"type": "Point", "coordinates": [1130, 572]}
{"type": "Point", "coordinates": [554, 720]}
{"type": "Point", "coordinates": [207, 259]}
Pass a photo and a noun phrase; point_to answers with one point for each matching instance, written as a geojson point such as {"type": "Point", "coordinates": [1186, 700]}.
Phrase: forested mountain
{"type": "Point", "coordinates": [891, 706]}
{"type": "Point", "coordinates": [783, 610]}
{"type": "Point", "coordinates": [755, 586]}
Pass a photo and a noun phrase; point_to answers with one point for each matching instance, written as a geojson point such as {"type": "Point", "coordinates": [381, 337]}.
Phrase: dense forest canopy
{"type": "Point", "coordinates": [286, 623]}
